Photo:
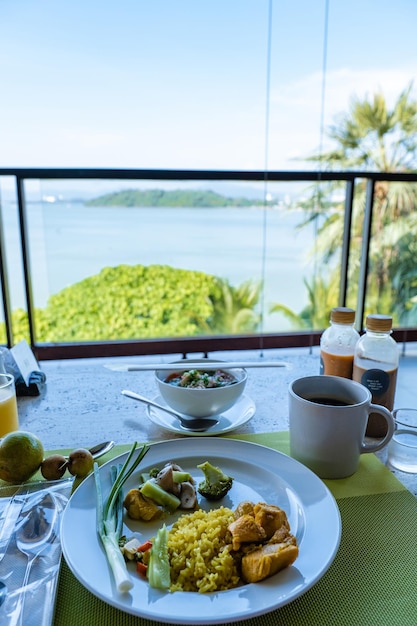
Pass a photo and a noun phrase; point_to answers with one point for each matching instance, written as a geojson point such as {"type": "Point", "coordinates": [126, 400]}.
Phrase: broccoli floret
{"type": "Point", "coordinates": [153, 473]}
{"type": "Point", "coordinates": [216, 483]}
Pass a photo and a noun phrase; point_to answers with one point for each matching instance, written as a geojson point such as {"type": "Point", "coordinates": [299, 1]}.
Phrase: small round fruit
{"type": "Point", "coordinates": [54, 467]}
{"type": "Point", "coordinates": [21, 454]}
{"type": "Point", "coordinates": [80, 462]}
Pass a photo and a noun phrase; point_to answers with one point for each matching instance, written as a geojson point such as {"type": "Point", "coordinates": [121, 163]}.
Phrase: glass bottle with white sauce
{"type": "Point", "coordinates": [375, 365]}
{"type": "Point", "coordinates": [337, 344]}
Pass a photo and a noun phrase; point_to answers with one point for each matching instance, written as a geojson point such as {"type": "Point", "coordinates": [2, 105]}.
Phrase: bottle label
{"type": "Point", "coordinates": [377, 381]}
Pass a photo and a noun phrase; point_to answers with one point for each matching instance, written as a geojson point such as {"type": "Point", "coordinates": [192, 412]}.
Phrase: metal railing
{"type": "Point", "coordinates": [195, 344]}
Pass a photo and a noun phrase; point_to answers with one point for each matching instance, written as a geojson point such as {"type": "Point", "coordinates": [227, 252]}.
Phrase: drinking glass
{"type": "Point", "coordinates": [9, 421]}
{"type": "Point", "coordinates": [402, 449]}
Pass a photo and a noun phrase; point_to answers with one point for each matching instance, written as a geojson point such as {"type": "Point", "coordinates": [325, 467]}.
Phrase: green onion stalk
{"type": "Point", "coordinates": [110, 516]}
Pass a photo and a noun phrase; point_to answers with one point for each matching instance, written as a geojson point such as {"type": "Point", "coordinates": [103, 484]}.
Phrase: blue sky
{"type": "Point", "coordinates": [182, 84]}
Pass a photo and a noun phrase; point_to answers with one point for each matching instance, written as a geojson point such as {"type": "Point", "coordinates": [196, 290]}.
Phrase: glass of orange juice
{"type": "Point", "coordinates": [9, 420]}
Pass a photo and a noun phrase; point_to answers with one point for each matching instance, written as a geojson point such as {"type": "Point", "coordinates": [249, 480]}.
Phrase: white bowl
{"type": "Point", "coordinates": [201, 402]}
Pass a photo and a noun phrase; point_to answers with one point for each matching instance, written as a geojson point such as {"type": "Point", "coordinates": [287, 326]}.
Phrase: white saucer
{"type": "Point", "coordinates": [238, 415]}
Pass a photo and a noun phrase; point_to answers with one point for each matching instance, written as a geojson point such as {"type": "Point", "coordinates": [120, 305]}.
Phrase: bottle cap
{"type": "Point", "coordinates": [379, 323]}
{"type": "Point", "coordinates": [342, 315]}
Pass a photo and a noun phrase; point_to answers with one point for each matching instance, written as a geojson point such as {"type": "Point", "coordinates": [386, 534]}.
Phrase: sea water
{"type": "Point", "coordinates": [69, 241]}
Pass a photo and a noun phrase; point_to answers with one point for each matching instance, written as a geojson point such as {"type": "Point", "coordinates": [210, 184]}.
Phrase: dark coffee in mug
{"type": "Point", "coordinates": [327, 423]}
{"type": "Point", "coordinates": [330, 401]}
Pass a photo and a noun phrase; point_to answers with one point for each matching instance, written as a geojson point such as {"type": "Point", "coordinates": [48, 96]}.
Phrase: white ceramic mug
{"type": "Point", "coordinates": [328, 417]}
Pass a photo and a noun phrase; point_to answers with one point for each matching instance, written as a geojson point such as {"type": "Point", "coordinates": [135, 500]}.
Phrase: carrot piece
{"type": "Point", "coordinates": [141, 568]}
{"type": "Point", "coordinates": [147, 545]}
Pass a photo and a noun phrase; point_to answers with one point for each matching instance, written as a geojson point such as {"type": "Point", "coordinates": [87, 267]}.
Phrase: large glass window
{"type": "Point", "coordinates": [242, 85]}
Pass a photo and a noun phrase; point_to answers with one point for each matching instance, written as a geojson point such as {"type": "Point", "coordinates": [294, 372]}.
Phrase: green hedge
{"type": "Point", "coordinates": [141, 302]}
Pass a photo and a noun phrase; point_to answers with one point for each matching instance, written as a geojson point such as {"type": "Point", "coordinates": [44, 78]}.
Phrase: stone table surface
{"type": "Point", "coordinates": [81, 402]}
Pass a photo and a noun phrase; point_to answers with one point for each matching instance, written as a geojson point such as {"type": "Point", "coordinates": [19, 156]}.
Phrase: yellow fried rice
{"type": "Point", "coordinates": [199, 554]}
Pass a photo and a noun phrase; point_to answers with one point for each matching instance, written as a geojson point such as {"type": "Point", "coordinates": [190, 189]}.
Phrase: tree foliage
{"type": "Point", "coordinates": [161, 198]}
{"type": "Point", "coordinates": [235, 310]}
{"type": "Point", "coordinates": [143, 302]}
{"type": "Point", "coordinates": [371, 136]}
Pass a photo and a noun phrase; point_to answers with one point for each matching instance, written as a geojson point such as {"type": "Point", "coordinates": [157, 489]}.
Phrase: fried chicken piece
{"type": "Point", "coordinates": [245, 530]}
{"type": "Point", "coordinates": [244, 508]}
{"type": "Point", "coordinates": [270, 517]}
{"type": "Point", "coordinates": [282, 535]}
{"type": "Point", "coordinates": [139, 507]}
{"type": "Point", "coordinates": [267, 560]}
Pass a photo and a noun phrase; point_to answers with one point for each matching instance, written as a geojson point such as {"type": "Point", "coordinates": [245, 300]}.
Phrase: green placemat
{"type": "Point", "coordinates": [372, 580]}
{"type": "Point", "coordinates": [372, 476]}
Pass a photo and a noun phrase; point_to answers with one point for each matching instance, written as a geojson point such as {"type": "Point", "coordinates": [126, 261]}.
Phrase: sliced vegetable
{"type": "Point", "coordinates": [109, 517]}
{"type": "Point", "coordinates": [130, 549]}
{"type": "Point", "coordinates": [141, 568]}
{"type": "Point", "coordinates": [152, 490]}
{"type": "Point", "coordinates": [147, 545]}
{"type": "Point", "coordinates": [158, 573]}
{"type": "Point", "coordinates": [181, 477]}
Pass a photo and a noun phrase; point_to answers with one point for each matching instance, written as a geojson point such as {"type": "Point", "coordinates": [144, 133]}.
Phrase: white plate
{"type": "Point", "coordinates": [260, 474]}
{"type": "Point", "coordinates": [236, 416]}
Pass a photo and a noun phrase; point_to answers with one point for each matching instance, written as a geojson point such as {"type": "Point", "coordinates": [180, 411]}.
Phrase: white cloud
{"type": "Point", "coordinates": [224, 134]}
{"type": "Point", "coordinates": [341, 85]}
{"type": "Point", "coordinates": [296, 107]}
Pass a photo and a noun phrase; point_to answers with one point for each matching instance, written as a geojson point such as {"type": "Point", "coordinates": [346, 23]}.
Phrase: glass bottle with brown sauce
{"type": "Point", "coordinates": [375, 365]}
{"type": "Point", "coordinates": [337, 344]}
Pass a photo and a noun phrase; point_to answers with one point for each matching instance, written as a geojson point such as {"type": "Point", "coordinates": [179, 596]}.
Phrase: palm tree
{"type": "Point", "coordinates": [234, 311]}
{"type": "Point", "coordinates": [372, 137]}
{"type": "Point", "coordinates": [375, 138]}
{"type": "Point", "coordinates": [403, 274]}
{"type": "Point", "coordinates": [322, 296]}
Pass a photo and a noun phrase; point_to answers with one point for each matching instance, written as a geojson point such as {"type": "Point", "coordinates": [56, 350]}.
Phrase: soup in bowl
{"type": "Point", "coordinates": [200, 391]}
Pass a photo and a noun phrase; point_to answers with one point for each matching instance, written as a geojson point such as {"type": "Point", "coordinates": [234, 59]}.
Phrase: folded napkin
{"type": "Point", "coordinates": [21, 363]}
{"type": "Point", "coordinates": [35, 601]}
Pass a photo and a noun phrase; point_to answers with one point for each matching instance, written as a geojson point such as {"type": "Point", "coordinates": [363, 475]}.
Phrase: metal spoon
{"type": "Point", "coordinates": [101, 448]}
{"type": "Point", "coordinates": [197, 424]}
{"type": "Point", "coordinates": [32, 537]}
